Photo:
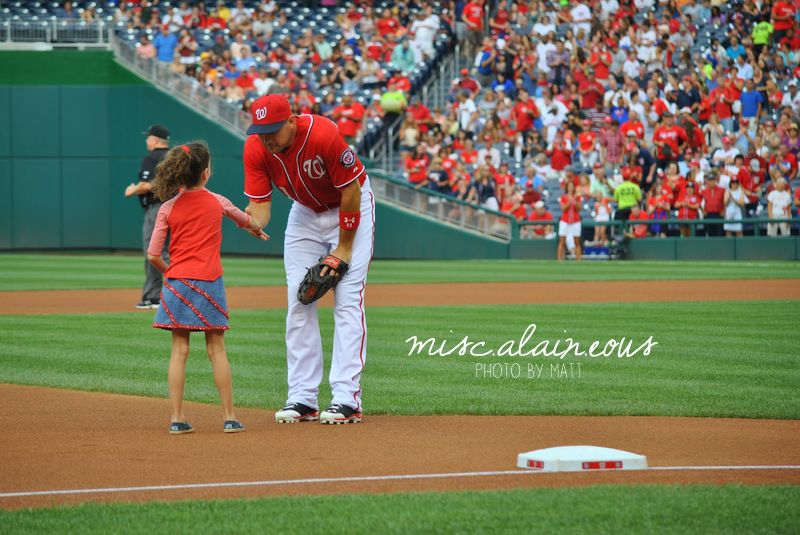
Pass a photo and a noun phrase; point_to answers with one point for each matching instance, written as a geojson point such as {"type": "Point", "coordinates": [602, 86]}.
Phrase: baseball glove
{"type": "Point", "coordinates": [315, 284]}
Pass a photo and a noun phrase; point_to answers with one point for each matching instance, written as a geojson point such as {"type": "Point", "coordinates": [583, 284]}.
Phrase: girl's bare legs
{"type": "Point", "coordinates": [561, 246]}
{"type": "Point", "coordinates": [215, 346]}
{"type": "Point", "coordinates": [176, 377]}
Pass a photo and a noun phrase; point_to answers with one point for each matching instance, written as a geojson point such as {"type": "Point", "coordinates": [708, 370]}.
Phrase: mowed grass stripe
{"type": "Point", "coordinates": [65, 272]}
{"type": "Point", "coordinates": [733, 359]}
{"type": "Point", "coordinates": [643, 509]}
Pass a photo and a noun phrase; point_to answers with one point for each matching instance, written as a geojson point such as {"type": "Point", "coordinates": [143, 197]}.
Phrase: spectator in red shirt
{"type": "Point", "coordinates": [387, 25]}
{"type": "Point", "coordinates": [591, 92]}
{"type": "Point", "coordinates": [633, 124]}
{"type": "Point", "coordinates": [637, 214]}
{"type": "Point", "coordinates": [349, 116]}
{"type": "Point", "coordinates": [422, 115]}
{"type": "Point", "coordinates": [416, 165]}
{"type": "Point", "coordinates": [473, 16]}
{"type": "Point", "coordinates": [668, 139]}
{"type": "Point", "coordinates": [560, 152]}
{"type": "Point", "coordinates": [782, 19]}
{"type": "Point", "coordinates": [688, 207]}
{"type": "Point", "coordinates": [600, 62]}
{"type": "Point", "coordinates": [569, 227]}
{"type": "Point", "coordinates": [525, 111]}
{"type": "Point", "coordinates": [540, 214]}
{"type": "Point", "coordinates": [713, 204]}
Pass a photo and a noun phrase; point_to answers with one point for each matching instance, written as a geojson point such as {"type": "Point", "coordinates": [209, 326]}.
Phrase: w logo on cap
{"type": "Point", "coordinates": [261, 113]}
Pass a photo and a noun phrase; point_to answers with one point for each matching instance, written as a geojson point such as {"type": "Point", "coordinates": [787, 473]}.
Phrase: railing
{"type": "Point", "coordinates": [432, 204]}
{"type": "Point", "coordinates": [184, 88]}
{"type": "Point", "coordinates": [55, 32]}
{"type": "Point", "coordinates": [624, 226]}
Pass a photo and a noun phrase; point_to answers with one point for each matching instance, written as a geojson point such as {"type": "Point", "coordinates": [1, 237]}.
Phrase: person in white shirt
{"type": "Point", "coordinates": [553, 113]}
{"type": "Point", "coordinates": [792, 97]}
{"type": "Point", "coordinates": [263, 83]}
{"type": "Point", "coordinates": [581, 18]}
{"type": "Point", "coordinates": [543, 49]}
{"type": "Point", "coordinates": [424, 29]}
{"type": "Point", "coordinates": [727, 154]}
{"type": "Point", "coordinates": [173, 19]}
{"type": "Point", "coordinates": [779, 205]}
{"type": "Point", "coordinates": [490, 151]}
{"type": "Point", "coordinates": [613, 93]}
{"type": "Point", "coordinates": [607, 7]}
{"type": "Point", "coordinates": [467, 111]}
{"type": "Point", "coordinates": [744, 68]}
{"type": "Point", "coordinates": [544, 26]}
{"type": "Point", "coordinates": [630, 67]}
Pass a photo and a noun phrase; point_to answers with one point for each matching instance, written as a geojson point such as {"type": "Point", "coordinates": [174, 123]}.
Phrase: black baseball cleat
{"type": "Point", "coordinates": [296, 412]}
{"type": "Point", "coordinates": [147, 304]}
{"type": "Point", "coordinates": [339, 414]}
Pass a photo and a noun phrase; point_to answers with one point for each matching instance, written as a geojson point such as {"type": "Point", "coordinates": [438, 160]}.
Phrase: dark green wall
{"type": "Point", "coordinates": [71, 139]}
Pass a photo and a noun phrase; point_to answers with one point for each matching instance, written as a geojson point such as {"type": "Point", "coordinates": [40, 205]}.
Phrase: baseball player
{"type": "Point", "coordinates": [307, 158]}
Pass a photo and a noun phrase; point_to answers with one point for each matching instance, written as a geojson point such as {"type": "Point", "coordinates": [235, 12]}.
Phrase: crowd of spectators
{"type": "Point", "coordinates": [350, 62]}
{"type": "Point", "coordinates": [681, 109]}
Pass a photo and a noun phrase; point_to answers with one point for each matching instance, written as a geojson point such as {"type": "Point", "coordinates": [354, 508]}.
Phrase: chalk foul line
{"type": "Point", "coordinates": [311, 481]}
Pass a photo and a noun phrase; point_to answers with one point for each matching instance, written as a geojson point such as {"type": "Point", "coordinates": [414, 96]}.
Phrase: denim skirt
{"type": "Point", "coordinates": [192, 305]}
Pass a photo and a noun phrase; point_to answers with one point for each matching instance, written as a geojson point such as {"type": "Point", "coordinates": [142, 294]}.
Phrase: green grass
{"type": "Point", "coordinates": [732, 359]}
{"type": "Point", "coordinates": [599, 509]}
{"type": "Point", "coordinates": [65, 272]}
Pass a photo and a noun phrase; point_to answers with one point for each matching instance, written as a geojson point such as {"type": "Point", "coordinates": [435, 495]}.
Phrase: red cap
{"type": "Point", "coordinates": [587, 121]}
{"type": "Point", "coordinates": [745, 121]}
{"type": "Point", "coordinates": [529, 184]}
{"type": "Point", "coordinates": [597, 164]}
{"type": "Point", "coordinates": [269, 113]}
{"type": "Point", "coordinates": [726, 139]}
{"type": "Point", "coordinates": [464, 72]}
{"type": "Point", "coordinates": [630, 146]}
{"type": "Point", "coordinates": [626, 172]}
{"type": "Point", "coordinates": [694, 164]}
{"type": "Point", "coordinates": [607, 119]}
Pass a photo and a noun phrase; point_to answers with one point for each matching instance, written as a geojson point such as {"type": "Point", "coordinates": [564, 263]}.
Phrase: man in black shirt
{"type": "Point", "coordinates": [157, 145]}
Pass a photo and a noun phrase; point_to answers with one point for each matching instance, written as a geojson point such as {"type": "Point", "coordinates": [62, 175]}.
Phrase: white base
{"type": "Point", "coordinates": [580, 459]}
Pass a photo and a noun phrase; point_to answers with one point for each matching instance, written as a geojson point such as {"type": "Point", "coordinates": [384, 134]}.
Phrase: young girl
{"type": "Point", "coordinates": [193, 296]}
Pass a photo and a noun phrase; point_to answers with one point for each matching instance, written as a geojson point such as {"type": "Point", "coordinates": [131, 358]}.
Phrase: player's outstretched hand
{"type": "Point", "coordinates": [254, 229]}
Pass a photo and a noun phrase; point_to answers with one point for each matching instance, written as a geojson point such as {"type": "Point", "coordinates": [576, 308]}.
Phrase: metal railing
{"type": "Point", "coordinates": [184, 88]}
{"type": "Point", "coordinates": [55, 32]}
{"type": "Point", "coordinates": [435, 205]}
{"type": "Point", "coordinates": [624, 226]}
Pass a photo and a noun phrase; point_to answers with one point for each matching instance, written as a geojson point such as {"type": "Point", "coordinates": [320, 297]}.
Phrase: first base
{"type": "Point", "coordinates": [580, 459]}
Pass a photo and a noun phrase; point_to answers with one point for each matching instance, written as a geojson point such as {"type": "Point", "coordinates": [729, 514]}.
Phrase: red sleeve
{"type": "Point", "coordinates": [160, 229]}
{"type": "Point", "coordinates": [232, 212]}
{"type": "Point", "coordinates": [340, 160]}
{"type": "Point", "coordinates": [257, 185]}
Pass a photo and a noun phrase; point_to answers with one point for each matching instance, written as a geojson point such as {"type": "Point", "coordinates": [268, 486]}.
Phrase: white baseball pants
{"type": "Point", "coordinates": [309, 236]}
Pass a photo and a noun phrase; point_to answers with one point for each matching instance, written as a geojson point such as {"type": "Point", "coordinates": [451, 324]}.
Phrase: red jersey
{"type": "Point", "coordinates": [474, 14]}
{"type": "Point", "coordinates": [686, 212]}
{"type": "Point", "coordinates": [639, 231]}
{"type": "Point", "coordinates": [421, 113]}
{"type": "Point", "coordinates": [714, 198]}
{"type": "Point", "coordinates": [600, 67]}
{"type": "Point", "coordinates": [587, 140]}
{"type": "Point", "coordinates": [546, 217]}
{"type": "Point", "coordinates": [348, 118]}
{"type": "Point", "coordinates": [594, 92]}
{"type": "Point", "coordinates": [310, 172]}
{"type": "Point", "coordinates": [387, 25]}
{"type": "Point", "coordinates": [672, 136]}
{"type": "Point", "coordinates": [524, 112]}
{"type": "Point", "coordinates": [572, 213]}
{"type": "Point", "coordinates": [417, 169]}
{"type": "Point", "coordinates": [782, 9]}
{"type": "Point", "coordinates": [635, 127]}
{"type": "Point", "coordinates": [194, 221]}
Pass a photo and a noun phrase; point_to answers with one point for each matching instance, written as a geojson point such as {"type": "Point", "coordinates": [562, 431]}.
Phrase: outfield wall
{"type": "Point", "coordinates": [71, 139]}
